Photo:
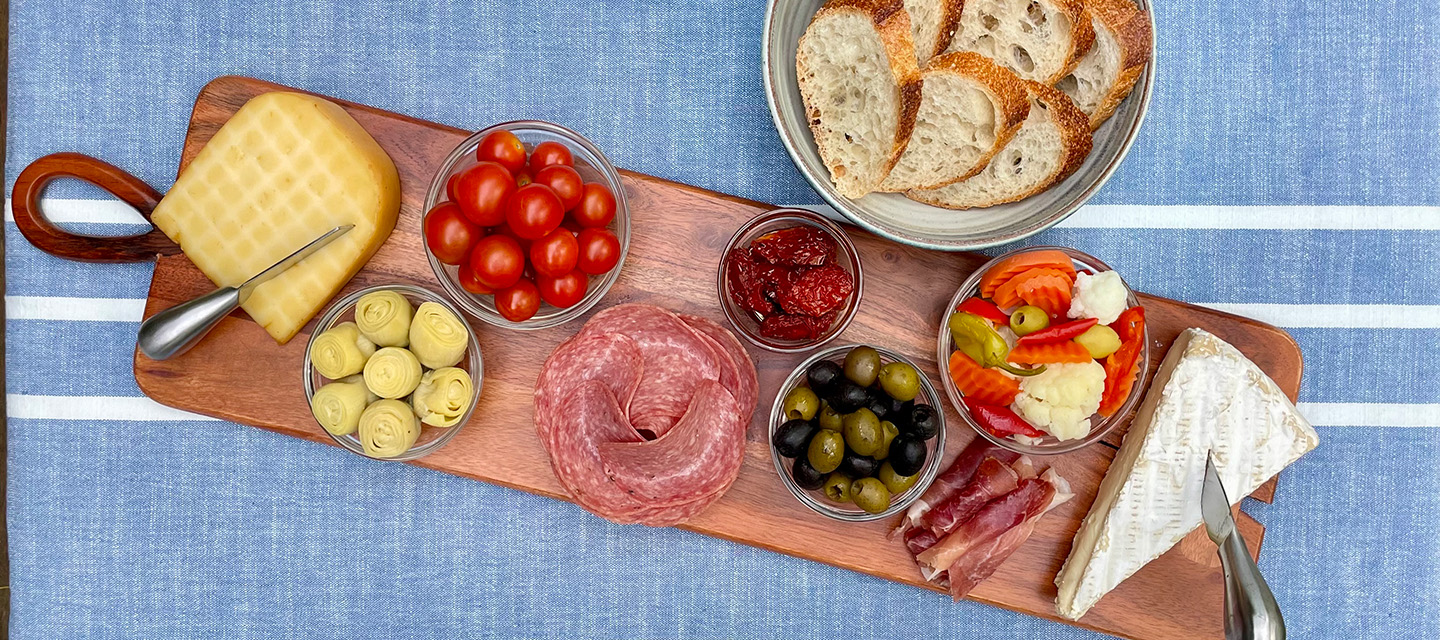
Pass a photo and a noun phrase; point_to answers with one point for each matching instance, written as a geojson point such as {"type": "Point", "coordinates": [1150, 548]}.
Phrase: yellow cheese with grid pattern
{"type": "Point", "coordinates": [283, 170]}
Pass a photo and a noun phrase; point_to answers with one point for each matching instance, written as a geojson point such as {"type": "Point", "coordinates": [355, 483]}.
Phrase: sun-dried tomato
{"type": "Point", "coordinates": [747, 283]}
{"type": "Point", "coordinates": [777, 278]}
{"type": "Point", "coordinates": [793, 327]}
{"type": "Point", "coordinates": [817, 291]}
{"type": "Point", "coordinates": [799, 245]}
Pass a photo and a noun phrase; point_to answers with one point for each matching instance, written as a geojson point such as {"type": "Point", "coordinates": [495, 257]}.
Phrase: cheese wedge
{"type": "Point", "coordinates": [283, 170]}
{"type": "Point", "coordinates": [1206, 396]}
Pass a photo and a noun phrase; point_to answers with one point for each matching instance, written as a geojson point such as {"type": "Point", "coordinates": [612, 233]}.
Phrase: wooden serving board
{"type": "Point", "coordinates": [238, 373]}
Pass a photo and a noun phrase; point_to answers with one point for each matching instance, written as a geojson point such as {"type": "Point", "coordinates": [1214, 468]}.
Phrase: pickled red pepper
{"type": "Point", "coordinates": [1001, 421]}
{"type": "Point", "coordinates": [985, 309]}
{"type": "Point", "coordinates": [1059, 332]}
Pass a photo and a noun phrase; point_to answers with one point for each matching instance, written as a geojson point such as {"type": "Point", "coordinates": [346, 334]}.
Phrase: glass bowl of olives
{"type": "Point", "coordinates": [857, 432]}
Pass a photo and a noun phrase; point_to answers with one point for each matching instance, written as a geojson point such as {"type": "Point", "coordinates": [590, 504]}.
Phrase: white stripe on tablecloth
{"type": "Point", "coordinates": [75, 309]}
{"type": "Point", "coordinates": [73, 210]}
{"type": "Point", "coordinates": [31, 407]}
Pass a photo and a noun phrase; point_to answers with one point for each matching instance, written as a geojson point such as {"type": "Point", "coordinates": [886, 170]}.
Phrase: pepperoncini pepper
{"type": "Point", "coordinates": [975, 337]}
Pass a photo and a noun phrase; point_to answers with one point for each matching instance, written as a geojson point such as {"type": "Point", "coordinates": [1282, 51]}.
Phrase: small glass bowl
{"type": "Point", "coordinates": [431, 438]}
{"type": "Point", "coordinates": [935, 447]}
{"type": "Point", "coordinates": [1049, 445]}
{"type": "Point", "coordinates": [846, 256]}
{"type": "Point", "coordinates": [592, 166]}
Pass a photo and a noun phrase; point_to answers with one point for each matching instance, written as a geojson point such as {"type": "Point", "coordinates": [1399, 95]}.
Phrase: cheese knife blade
{"type": "Point", "coordinates": [1215, 505]}
{"type": "Point", "coordinates": [1251, 612]}
{"type": "Point", "coordinates": [290, 260]}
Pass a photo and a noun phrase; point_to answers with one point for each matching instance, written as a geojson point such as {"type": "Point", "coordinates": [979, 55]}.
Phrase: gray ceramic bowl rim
{"type": "Point", "coordinates": [822, 186]}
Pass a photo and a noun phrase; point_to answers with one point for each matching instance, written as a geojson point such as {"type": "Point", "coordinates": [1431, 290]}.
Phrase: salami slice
{"type": "Point", "coordinates": [676, 361]}
{"type": "Point", "coordinates": [740, 378]}
{"type": "Point", "coordinates": [612, 359]}
{"type": "Point", "coordinates": [701, 454]}
{"type": "Point", "coordinates": [590, 417]}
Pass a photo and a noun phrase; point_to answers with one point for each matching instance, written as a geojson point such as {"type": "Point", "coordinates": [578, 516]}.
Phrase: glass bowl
{"type": "Point", "coordinates": [1049, 445]}
{"type": "Point", "coordinates": [431, 438]}
{"type": "Point", "coordinates": [846, 256]}
{"type": "Point", "coordinates": [592, 167]}
{"type": "Point", "coordinates": [935, 447]}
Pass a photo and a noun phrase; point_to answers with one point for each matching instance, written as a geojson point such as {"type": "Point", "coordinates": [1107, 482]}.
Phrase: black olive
{"type": "Point", "coordinates": [901, 411]}
{"type": "Point", "coordinates": [823, 375]}
{"type": "Point", "coordinates": [880, 409]}
{"type": "Point", "coordinates": [793, 437]}
{"type": "Point", "coordinates": [907, 455]}
{"type": "Point", "coordinates": [848, 396]}
{"type": "Point", "coordinates": [924, 422]}
{"type": "Point", "coordinates": [858, 466]}
{"type": "Point", "coordinates": [805, 475]}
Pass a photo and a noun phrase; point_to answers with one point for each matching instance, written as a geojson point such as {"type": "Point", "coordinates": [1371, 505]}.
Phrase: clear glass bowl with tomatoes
{"type": "Point", "coordinates": [526, 225]}
{"type": "Point", "coordinates": [1019, 354]}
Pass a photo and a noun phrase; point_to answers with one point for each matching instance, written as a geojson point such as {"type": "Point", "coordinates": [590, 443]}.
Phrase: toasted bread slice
{"type": "Point", "coordinates": [1040, 40]}
{"type": "Point", "coordinates": [932, 25]}
{"type": "Point", "coordinates": [1049, 147]}
{"type": "Point", "coordinates": [1105, 75]}
{"type": "Point", "coordinates": [969, 109]}
{"type": "Point", "coordinates": [857, 75]}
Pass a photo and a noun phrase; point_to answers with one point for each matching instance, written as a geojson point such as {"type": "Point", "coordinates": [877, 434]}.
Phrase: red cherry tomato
{"type": "Point", "coordinates": [482, 190]}
{"type": "Point", "coordinates": [450, 186]}
{"type": "Point", "coordinates": [523, 178]}
{"type": "Point", "coordinates": [498, 261]}
{"type": "Point", "coordinates": [564, 291]}
{"type": "Point", "coordinates": [470, 282]}
{"type": "Point", "coordinates": [502, 147]}
{"type": "Point", "coordinates": [565, 182]}
{"type": "Point", "coordinates": [533, 211]}
{"type": "Point", "coordinates": [550, 153]}
{"type": "Point", "coordinates": [519, 301]}
{"type": "Point", "coordinates": [504, 229]}
{"type": "Point", "coordinates": [555, 254]}
{"type": "Point", "coordinates": [448, 234]}
{"type": "Point", "coordinates": [597, 206]}
{"type": "Point", "coordinates": [599, 251]}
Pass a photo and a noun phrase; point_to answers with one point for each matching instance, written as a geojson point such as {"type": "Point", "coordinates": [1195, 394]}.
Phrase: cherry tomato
{"type": "Point", "coordinates": [504, 229]}
{"type": "Point", "coordinates": [502, 147]}
{"type": "Point", "coordinates": [599, 251]}
{"type": "Point", "coordinates": [450, 186]}
{"type": "Point", "coordinates": [565, 182]}
{"type": "Point", "coordinates": [519, 301]}
{"type": "Point", "coordinates": [482, 190]}
{"type": "Point", "coordinates": [498, 261]}
{"type": "Point", "coordinates": [548, 153]}
{"type": "Point", "coordinates": [469, 281]}
{"type": "Point", "coordinates": [569, 224]}
{"type": "Point", "coordinates": [523, 178]}
{"type": "Point", "coordinates": [555, 254]}
{"type": "Point", "coordinates": [565, 291]}
{"type": "Point", "coordinates": [533, 211]}
{"type": "Point", "coordinates": [597, 206]}
{"type": "Point", "coordinates": [448, 234]}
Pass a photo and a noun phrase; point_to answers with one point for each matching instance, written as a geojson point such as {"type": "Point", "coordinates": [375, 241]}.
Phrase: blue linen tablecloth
{"type": "Point", "coordinates": [1287, 171]}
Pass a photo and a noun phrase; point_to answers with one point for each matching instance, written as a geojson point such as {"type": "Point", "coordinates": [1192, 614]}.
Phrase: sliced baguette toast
{"type": "Point", "coordinates": [969, 109]}
{"type": "Point", "coordinates": [1049, 147]}
{"type": "Point", "coordinates": [857, 74]}
{"type": "Point", "coordinates": [932, 25]}
{"type": "Point", "coordinates": [1108, 72]}
{"type": "Point", "coordinates": [1040, 40]}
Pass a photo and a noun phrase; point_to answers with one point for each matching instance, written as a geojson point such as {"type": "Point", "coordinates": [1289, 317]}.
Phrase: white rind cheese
{"type": "Point", "coordinates": [1206, 396]}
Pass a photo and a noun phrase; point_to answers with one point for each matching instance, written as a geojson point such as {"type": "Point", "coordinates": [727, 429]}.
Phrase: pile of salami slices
{"type": "Point", "coordinates": [644, 412]}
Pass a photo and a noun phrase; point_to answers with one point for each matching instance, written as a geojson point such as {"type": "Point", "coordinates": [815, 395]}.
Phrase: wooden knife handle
{"type": "Point", "coordinates": [47, 237]}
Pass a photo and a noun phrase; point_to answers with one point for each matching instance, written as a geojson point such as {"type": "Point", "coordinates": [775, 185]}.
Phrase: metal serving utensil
{"type": "Point", "coordinates": [175, 330]}
{"type": "Point", "coordinates": [1250, 609]}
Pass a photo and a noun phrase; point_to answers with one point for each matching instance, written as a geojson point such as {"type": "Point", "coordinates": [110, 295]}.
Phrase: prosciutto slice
{"type": "Point", "coordinates": [698, 456]}
{"type": "Point", "coordinates": [677, 359]}
{"type": "Point", "coordinates": [976, 566]}
{"type": "Point", "coordinates": [1028, 499]}
{"type": "Point", "coordinates": [953, 479]}
{"type": "Point", "coordinates": [992, 480]}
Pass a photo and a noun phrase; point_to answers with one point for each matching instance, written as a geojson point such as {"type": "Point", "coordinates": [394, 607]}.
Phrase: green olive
{"type": "Point", "coordinates": [1028, 319]}
{"type": "Point", "coordinates": [801, 403]}
{"type": "Point", "coordinates": [862, 364]}
{"type": "Point", "coordinates": [1100, 341]}
{"type": "Point", "coordinates": [888, 431]}
{"type": "Point", "coordinates": [863, 432]}
{"type": "Point", "coordinates": [900, 380]}
{"type": "Point", "coordinates": [827, 451]}
{"type": "Point", "coordinates": [837, 487]}
{"type": "Point", "coordinates": [895, 482]}
{"type": "Point", "coordinates": [870, 495]}
{"type": "Point", "coordinates": [830, 418]}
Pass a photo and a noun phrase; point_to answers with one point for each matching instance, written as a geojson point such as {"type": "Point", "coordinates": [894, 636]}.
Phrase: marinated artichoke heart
{"type": "Point", "coordinates": [384, 318]}
{"type": "Point", "coordinates": [337, 406]}
{"type": "Point", "coordinates": [437, 337]}
{"type": "Point", "coordinates": [392, 373]}
{"type": "Point", "coordinates": [388, 428]}
{"type": "Point", "coordinates": [340, 351]}
{"type": "Point", "coordinates": [443, 397]}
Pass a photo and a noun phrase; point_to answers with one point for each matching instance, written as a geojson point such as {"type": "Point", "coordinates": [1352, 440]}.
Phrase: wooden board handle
{"type": "Point", "coordinates": [47, 237]}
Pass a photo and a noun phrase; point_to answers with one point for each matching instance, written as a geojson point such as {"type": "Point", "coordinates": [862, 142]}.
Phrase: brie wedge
{"type": "Point", "coordinates": [1206, 396]}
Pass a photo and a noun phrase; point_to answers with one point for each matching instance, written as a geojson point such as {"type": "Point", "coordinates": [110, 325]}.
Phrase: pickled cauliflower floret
{"type": "Point", "coordinates": [1099, 296]}
{"type": "Point", "coordinates": [1061, 400]}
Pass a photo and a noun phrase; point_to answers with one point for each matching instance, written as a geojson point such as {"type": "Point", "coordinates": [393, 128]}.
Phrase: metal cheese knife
{"type": "Point", "coordinates": [1250, 609]}
{"type": "Point", "coordinates": [173, 331]}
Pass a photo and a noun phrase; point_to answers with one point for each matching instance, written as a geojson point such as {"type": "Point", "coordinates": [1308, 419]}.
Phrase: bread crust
{"type": "Point", "coordinates": [1006, 89]}
{"type": "Point", "coordinates": [1131, 29]}
{"type": "Point", "coordinates": [949, 23]}
{"type": "Point", "coordinates": [892, 23]}
{"type": "Point", "coordinates": [1082, 36]}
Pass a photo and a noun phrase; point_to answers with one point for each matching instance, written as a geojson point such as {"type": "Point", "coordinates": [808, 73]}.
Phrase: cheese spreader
{"type": "Point", "coordinates": [175, 330]}
{"type": "Point", "coordinates": [1251, 612]}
